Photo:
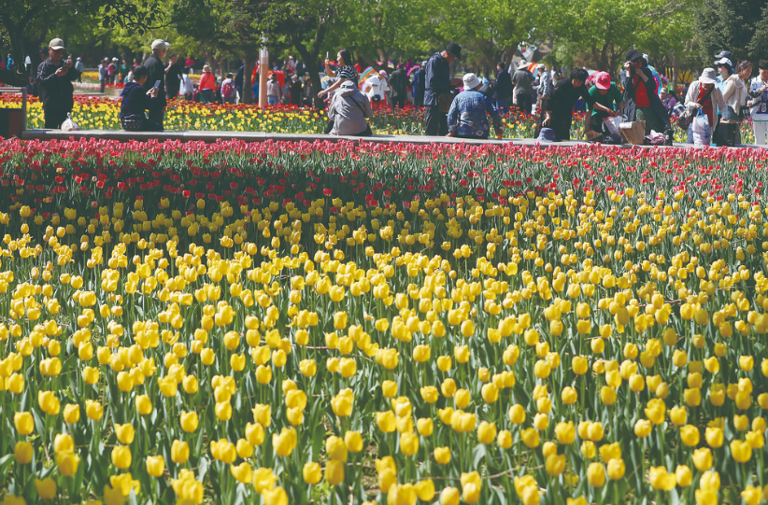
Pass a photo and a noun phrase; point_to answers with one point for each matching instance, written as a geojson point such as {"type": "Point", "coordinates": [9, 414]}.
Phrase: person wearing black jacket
{"type": "Point", "coordinates": [503, 88]}
{"type": "Point", "coordinates": [398, 83]}
{"type": "Point", "coordinates": [173, 78]}
{"type": "Point", "coordinates": [154, 65]}
{"type": "Point", "coordinates": [135, 100]}
{"type": "Point", "coordinates": [559, 114]}
{"type": "Point", "coordinates": [437, 90]}
{"type": "Point", "coordinates": [54, 81]}
{"type": "Point", "coordinates": [641, 99]}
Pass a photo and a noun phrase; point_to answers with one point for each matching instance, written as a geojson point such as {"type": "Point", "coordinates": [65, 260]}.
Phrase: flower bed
{"type": "Point", "coordinates": [195, 322]}
{"type": "Point", "coordinates": [102, 113]}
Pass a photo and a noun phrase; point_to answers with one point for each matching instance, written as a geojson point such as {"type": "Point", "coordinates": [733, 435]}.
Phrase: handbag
{"type": "Point", "coordinates": [684, 121]}
{"type": "Point", "coordinates": [132, 122]}
{"type": "Point", "coordinates": [444, 101]}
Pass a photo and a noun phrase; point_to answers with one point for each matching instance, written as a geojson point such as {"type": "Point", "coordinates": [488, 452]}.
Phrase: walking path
{"type": "Point", "coordinates": [213, 136]}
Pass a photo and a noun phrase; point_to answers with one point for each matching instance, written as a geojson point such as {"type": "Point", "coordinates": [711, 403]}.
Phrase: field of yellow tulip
{"type": "Point", "coordinates": [303, 323]}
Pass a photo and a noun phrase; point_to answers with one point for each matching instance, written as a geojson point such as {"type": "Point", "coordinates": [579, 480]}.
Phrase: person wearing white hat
{"type": "Point", "coordinates": [704, 95]}
{"type": "Point", "coordinates": [523, 93]}
{"type": "Point", "coordinates": [467, 117]}
{"type": "Point", "coordinates": [54, 78]}
{"type": "Point", "coordinates": [157, 73]}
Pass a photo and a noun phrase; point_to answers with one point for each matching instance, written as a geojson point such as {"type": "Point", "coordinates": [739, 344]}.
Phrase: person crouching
{"type": "Point", "coordinates": [136, 101]}
{"type": "Point", "coordinates": [467, 117]}
{"type": "Point", "coordinates": [348, 110]}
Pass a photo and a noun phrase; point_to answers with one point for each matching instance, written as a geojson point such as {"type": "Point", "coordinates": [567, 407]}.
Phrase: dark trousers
{"type": "Point", "coordinates": [524, 103]}
{"type": "Point", "coordinates": [398, 102]}
{"type": "Point", "coordinates": [418, 100]}
{"type": "Point", "coordinates": [156, 117]}
{"type": "Point", "coordinates": [436, 122]}
{"type": "Point", "coordinates": [54, 118]}
{"type": "Point", "coordinates": [561, 125]}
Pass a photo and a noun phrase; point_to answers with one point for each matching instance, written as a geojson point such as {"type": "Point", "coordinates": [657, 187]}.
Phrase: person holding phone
{"type": "Point", "coordinates": [54, 79]}
{"type": "Point", "coordinates": [136, 100]}
{"type": "Point", "coordinates": [345, 72]}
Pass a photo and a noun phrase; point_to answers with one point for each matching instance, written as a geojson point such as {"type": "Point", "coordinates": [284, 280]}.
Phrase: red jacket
{"type": "Point", "coordinates": [207, 81]}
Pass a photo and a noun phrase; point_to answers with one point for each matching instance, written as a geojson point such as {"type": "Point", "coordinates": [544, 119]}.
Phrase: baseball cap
{"type": "Point", "coordinates": [454, 49]}
{"type": "Point", "coordinates": [724, 54]}
{"type": "Point", "coordinates": [56, 44]}
{"type": "Point", "coordinates": [603, 80]}
{"type": "Point", "coordinates": [160, 42]}
{"type": "Point", "coordinates": [724, 61]}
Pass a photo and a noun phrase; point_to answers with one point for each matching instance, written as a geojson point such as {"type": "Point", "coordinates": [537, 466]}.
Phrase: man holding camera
{"type": "Point", "coordinates": [54, 79]}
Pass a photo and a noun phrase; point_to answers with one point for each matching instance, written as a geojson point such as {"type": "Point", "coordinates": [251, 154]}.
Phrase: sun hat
{"type": "Point", "coordinates": [603, 80]}
{"type": "Point", "coordinates": [206, 68]}
{"type": "Point", "coordinates": [522, 63]}
{"type": "Point", "coordinates": [708, 76]}
{"type": "Point", "coordinates": [158, 43]}
{"type": "Point", "coordinates": [541, 66]}
{"type": "Point", "coordinates": [470, 81]}
{"type": "Point", "coordinates": [546, 135]}
{"type": "Point", "coordinates": [383, 74]}
{"type": "Point", "coordinates": [56, 44]}
{"type": "Point", "coordinates": [454, 49]}
{"type": "Point", "coordinates": [115, 59]}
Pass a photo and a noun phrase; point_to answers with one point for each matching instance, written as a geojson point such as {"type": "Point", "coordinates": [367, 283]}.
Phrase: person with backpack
{"type": "Point", "coordinates": [228, 90]}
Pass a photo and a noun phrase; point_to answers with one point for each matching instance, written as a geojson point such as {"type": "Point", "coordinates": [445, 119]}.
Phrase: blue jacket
{"type": "Point", "coordinates": [467, 117]}
{"type": "Point", "coordinates": [417, 83]}
{"type": "Point", "coordinates": [135, 100]}
{"type": "Point", "coordinates": [438, 79]}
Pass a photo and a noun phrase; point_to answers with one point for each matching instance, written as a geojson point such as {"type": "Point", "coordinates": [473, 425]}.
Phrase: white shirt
{"type": "Point", "coordinates": [376, 86]}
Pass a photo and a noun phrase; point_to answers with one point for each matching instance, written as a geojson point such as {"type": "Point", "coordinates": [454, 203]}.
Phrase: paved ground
{"type": "Point", "coordinates": [213, 136]}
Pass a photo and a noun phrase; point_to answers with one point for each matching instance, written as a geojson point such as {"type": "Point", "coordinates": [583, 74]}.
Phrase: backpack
{"type": "Point", "coordinates": [226, 90]}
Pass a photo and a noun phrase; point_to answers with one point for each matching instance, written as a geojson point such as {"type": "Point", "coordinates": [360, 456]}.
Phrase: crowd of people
{"type": "Point", "coordinates": [462, 107]}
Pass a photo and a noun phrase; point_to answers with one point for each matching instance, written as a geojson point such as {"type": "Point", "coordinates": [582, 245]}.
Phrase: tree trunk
{"type": "Point", "coordinates": [675, 73]}
{"type": "Point", "coordinates": [247, 97]}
